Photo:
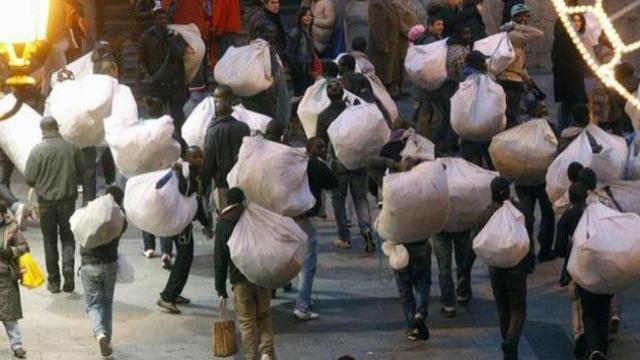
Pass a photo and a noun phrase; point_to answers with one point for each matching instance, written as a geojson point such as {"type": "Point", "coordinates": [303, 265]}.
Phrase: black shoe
{"type": "Point", "coordinates": [448, 311]}
{"type": "Point", "coordinates": [510, 350]}
{"type": "Point", "coordinates": [422, 327]}
{"type": "Point", "coordinates": [181, 300]}
{"type": "Point", "coordinates": [597, 355]}
{"type": "Point", "coordinates": [614, 325]}
{"type": "Point", "coordinates": [580, 347]}
{"type": "Point", "coordinates": [20, 353]}
{"type": "Point", "coordinates": [53, 288]}
{"type": "Point", "coordinates": [369, 245]}
{"type": "Point", "coordinates": [69, 286]}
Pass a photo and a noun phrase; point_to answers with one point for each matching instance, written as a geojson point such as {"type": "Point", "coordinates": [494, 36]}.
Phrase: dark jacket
{"type": "Point", "coordinates": [566, 227]}
{"type": "Point", "coordinates": [144, 14]}
{"type": "Point", "coordinates": [54, 169]}
{"type": "Point", "coordinates": [568, 68]}
{"type": "Point", "coordinates": [152, 52]}
{"type": "Point", "coordinates": [320, 178]}
{"type": "Point", "coordinates": [427, 38]}
{"type": "Point", "coordinates": [194, 185]}
{"type": "Point", "coordinates": [103, 254]}
{"type": "Point", "coordinates": [327, 116]}
{"type": "Point", "coordinates": [255, 17]}
{"type": "Point", "coordinates": [300, 49]}
{"type": "Point", "coordinates": [473, 20]}
{"type": "Point", "coordinates": [450, 16]}
{"type": "Point", "coordinates": [221, 256]}
{"type": "Point", "coordinates": [221, 146]}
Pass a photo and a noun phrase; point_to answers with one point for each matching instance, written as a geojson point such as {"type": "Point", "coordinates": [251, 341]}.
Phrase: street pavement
{"type": "Point", "coordinates": [354, 293]}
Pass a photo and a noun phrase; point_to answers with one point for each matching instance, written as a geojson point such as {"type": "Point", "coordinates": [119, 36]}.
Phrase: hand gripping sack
{"type": "Point", "coordinates": [382, 95]}
{"type": "Point", "coordinates": [195, 127]}
{"type": "Point", "coordinates": [469, 192]}
{"type": "Point", "coordinates": [80, 68]}
{"type": "Point", "coordinates": [418, 147]}
{"type": "Point", "coordinates": [504, 241]}
{"type": "Point", "coordinates": [282, 185]}
{"type": "Point", "coordinates": [605, 257]}
{"type": "Point", "coordinates": [608, 164]}
{"type": "Point", "coordinates": [148, 146]}
{"type": "Point", "coordinates": [357, 134]}
{"type": "Point", "coordinates": [124, 111]}
{"type": "Point", "coordinates": [80, 107]}
{"type": "Point", "coordinates": [524, 153]}
{"type": "Point", "coordinates": [478, 108]}
{"type": "Point", "coordinates": [246, 69]}
{"type": "Point", "coordinates": [266, 247]}
{"type": "Point", "coordinates": [162, 211]}
{"type": "Point", "coordinates": [426, 65]}
{"type": "Point", "coordinates": [500, 50]}
{"type": "Point", "coordinates": [634, 112]}
{"type": "Point", "coordinates": [194, 53]}
{"type": "Point", "coordinates": [415, 204]}
{"type": "Point", "coordinates": [20, 133]}
{"type": "Point", "coordinates": [98, 223]}
{"type": "Point", "coordinates": [255, 121]}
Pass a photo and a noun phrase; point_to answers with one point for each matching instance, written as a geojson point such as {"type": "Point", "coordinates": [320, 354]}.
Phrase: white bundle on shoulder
{"type": "Point", "coordinates": [246, 69]}
{"type": "Point", "coordinates": [98, 223]}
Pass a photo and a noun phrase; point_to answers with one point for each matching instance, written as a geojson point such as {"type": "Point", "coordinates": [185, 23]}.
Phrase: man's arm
{"type": "Point", "coordinates": [524, 34]}
{"type": "Point", "coordinates": [209, 165]}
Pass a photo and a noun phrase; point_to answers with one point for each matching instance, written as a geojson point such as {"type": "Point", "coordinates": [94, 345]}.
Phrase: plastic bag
{"type": "Point", "coordinates": [426, 65]}
{"type": "Point", "coordinates": [194, 53]}
{"type": "Point", "coordinates": [80, 68]}
{"type": "Point", "coordinates": [469, 192]}
{"type": "Point", "coordinates": [608, 164]}
{"type": "Point", "coordinates": [146, 147]}
{"type": "Point", "coordinates": [382, 95]}
{"type": "Point", "coordinates": [478, 108]}
{"type": "Point", "coordinates": [524, 153]}
{"type": "Point", "coordinates": [283, 184]}
{"type": "Point", "coordinates": [415, 204]}
{"type": "Point", "coordinates": [255, 121]}
{"type": "Point", "coordinates": [162, 212]}
{"type": "Point", "coordinates": [98, 223]}
{"type": "Point", "coordinates": [124, 111]}
{"type": "Point", "coordinates": [246, 69]}
{"type": "Point", "coordinates": [500, 50]}
{"type": "Point", "coordinates": [605, 257]}
{"type": "Point", "coordinates": [126, 273]}
{"type": "Point", "coordinates": [634, 112]}
{"type": "Point", "coordinates": [31, 274]}
{"type": "Point", "coordinates": [266, 247]}
{"type": "Point", "coordinates": [504, 240]}
{"type": "Point", "coordinates": [418, 147]}
{"type": "Point", "coordinates": [20, 133]}
{"type": "Point", "coordinates": [80, 106]}
{"type": "Point", "coordinates": [357, 134]}
{"type": "Point", "coordinates": [195, 127]}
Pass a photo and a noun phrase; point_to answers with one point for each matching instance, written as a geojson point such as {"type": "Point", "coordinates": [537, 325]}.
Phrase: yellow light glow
{"type": "Point", "coordinates": [23, 21]}
{"type": "Point", "coordinates": [603, 71]}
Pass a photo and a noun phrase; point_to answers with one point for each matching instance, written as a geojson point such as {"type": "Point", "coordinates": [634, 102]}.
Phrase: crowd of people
{"type": "Point", "coordinates": [299, 58]}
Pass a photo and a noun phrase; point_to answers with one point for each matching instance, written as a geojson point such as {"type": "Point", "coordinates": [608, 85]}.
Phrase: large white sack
{"type": "Point", "coordinates": [19, 133]}
{"type": "Point", "coordinates": [162, 212]}
{"type": "Point", "coordinates": [608, 165]}
{"type": "Point", "coordinates": [124, 111]}
{"type": "Point", "coordinates": [478, 108]}
{"type": "Point", "coordinates": [246, 69]}
{"type": "Point", "coordinates": [80, 107]}
{"type": "Point", "coordinates": [282, 185]}
{"type": "Point", "coordinates": [426, 65]}
{"type": "Point", "coordinates": [469, 192]}
{"type": "Point", "coordinates": [621, 196]}
{"type": "Point", "coordinates": [605, 257]}
{"type": "Point", "coordinates": [98, 223]}
{"type": "Point", "coordinates": [267, 248]}
{"type": "Point", "coordinates": [357, 134]}
{"type": "Point", "coordinates": [504, 241]}
{"type": "Point", "coordinates": [633, 161]}
{"type": "Point", "coordinates": [146, 147]}
{"type": "Point", "coordinates": [634, 112]}
{"type": "Point", "coordinates": [382, 95]}
{"type": "Point", "coordinates": [195, 127]}
{"type": "Point", "coordinates": [255, 121]}
{"type": "Point", "coordinates": [415, 204]}
{"type": "Point", "coordinates": [418, 147]}
{"type": "Point", "coordinates": [80, 68]}
{"type": "Point", "coordinates": [500, 50]}
{"type": "Point", "coordinates": [523, 153]}
{"type": "Point", "coordinates": [194, 53]}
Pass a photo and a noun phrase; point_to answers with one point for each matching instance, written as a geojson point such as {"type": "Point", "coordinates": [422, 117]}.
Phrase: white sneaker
{"type": "Point", "coordinates": [149, 253]}
{"type": "Point", "coordinates": [105, 347]}
{"type": "Point", "coordinates": [266, 357]}
{"type": "Point", "coordinates": [305, 316]}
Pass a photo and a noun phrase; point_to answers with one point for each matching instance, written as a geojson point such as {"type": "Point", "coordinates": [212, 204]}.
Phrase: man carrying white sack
{"type": "Point", "coordinates": [252, 302]}
{"type": "Point", "coordinates": [320, 178]}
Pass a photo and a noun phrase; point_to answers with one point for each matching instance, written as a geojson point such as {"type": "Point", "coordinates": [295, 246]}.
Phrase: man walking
{"type": "Point", "coordinates": [54, 169]}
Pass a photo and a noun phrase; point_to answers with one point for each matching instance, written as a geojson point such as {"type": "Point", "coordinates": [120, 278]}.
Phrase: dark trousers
{"type": "Point", "coordinates": [444, 245]}
{"type": "Point", "coordinates": [6, 170]}
{"type": "Point", "coordinates": [595, 317]}
{"type": "Point", "coordinates": [54, 219]}
{"type": "Point", "coordinates": [175, 100]}
{"type": "Point", "coordinates": [181, 267]}
{"type": "Point", "coordinates": [514, 91]}
{"type": "Point", "coordinates": [149, 241]}
{"type": "Point", "coordinates": [476, 152]}
{"type": "Point", "coordinates": [300, 78]}
{"type": "Point", "coordinates": [528, 196]}
{"type": "Point", "coordinates": [510, 291]}
{"type": "Point", "coordinates": [414, 283]}
{"type": "Point", "coordinates": [89, 178]}
{"type": "Point", "coordinates": [108, 167]}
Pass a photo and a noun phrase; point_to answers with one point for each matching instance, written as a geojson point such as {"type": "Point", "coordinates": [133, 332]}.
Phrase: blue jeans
{"type": "Point", "coordinates": [149, 240]}
{"type": "Point", "coordinates": [99, 282]}
{"type": "Point", "coordinates": [356, 181]}
{"type": "Point", "coordinates": [444, 244]}
{"type": "Point", "coordinates": [308, 272]}
{"type": "Point", "coordinates": [13, 332]}
{"type": "Point", "coordinates": [414, 282]}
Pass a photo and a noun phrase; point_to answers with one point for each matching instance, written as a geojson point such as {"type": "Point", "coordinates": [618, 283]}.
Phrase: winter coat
{"type": "Point", "coordinates": [11, 238]}
{"type": "Point", "coordinates": [255, 16]}
{"type": "Point", "coordinates": [152, 52]}
{"type": "Point", "coordinates": [568, 68]}
{"type": "Point", "coordinates": [520, 37]}
{"type": "Point", "coordinates": [221, 146]}
{"type": "Point", "coordinates": [385, 43]}
{"type": "Point", "coordinates": [324, 19]}
{"type": "Point", "coordinates": [300, 48]}
{"type": "Point", "coordinates": [450, 16]}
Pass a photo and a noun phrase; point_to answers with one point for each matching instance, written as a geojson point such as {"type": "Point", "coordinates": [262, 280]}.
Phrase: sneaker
{"type": "Point", "coordinates": [614, 325]}
{"type": "Point", "coordinates": [19, 353]}
{"type": "Point", "coordinates": [21, 216]}
{"type": "Point", "coordinates": [510, 350]}
{"type": "Point", "coordinates": [413, 334]}
{"type": "Point", "coordinates": [305, 315]}
{"type": "Point", "coordinates": [422, 326]}
{"type": "Point", "coordinates": [149, 253]}
{"type": "Point", "coordinates": [448, 311]}
{"type": "Point", "coordinates": [105, 347]}
{"type": "Point", "coordinates": [69, 286]}
{"type": "Point", "coordinates": [597, 355]}
{"type": "Point", "coordinates": [266, 357]}
{"type": "Point", "coordinates": [181, 300]}
{"type": "Point", "coordinates": [342, 244]}
{"type": "Point", "coordinates": [170, 307]}
{"type": "Point", "coordinates": [369, 246]}
{"type": "Point", "coordinates": [580, 347]}
{"type": "Point", "coordinates": [166, 261]}
{"type": "Point", "coordinates": [53, 288]}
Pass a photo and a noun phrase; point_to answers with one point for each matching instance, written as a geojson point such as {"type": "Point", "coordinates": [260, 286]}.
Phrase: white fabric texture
{"type": "Point", "coordinates": [80, 68]}
{"type": "Point", "coordinates": [20, 133]}
{"type": "Point", "coordinates": [195, 127]}
{"type": "Point", "coordinates": [98, 223]}
{"type": "Point", "coordinates": [500, 50]}
{"type": "Point", "coordinates": [418, 147]}
{"type": "Point", "coordinates": [194, 54]}
{"type": "Point", "coordinates": [426, 65]}
{"type": "Point", "coordinates": [246, 69]}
